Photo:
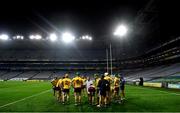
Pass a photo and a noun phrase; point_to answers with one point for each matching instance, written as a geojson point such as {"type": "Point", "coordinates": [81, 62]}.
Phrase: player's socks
{"type": "Point", "coordinates": [98, 105]}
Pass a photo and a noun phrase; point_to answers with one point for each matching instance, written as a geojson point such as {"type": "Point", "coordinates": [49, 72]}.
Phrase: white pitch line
{"type": "Point", "coordinates": [24, 98]}
{"type": "Point", "coordinates": [159, 91]}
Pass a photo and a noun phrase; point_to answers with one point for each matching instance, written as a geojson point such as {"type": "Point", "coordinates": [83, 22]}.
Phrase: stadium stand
{"type": "Point", "coordinates": [10, 75]}
{"type": "Point", "coordinates": [25, 75]}
{"type": "Point", "coordinates": [42, 75]}
{"type": "Point", "coordinates": [153, 73]}
{"type": "Point", "coordinates": [2, 73]}
{"type": "Point", "coordinates": [42, 64]}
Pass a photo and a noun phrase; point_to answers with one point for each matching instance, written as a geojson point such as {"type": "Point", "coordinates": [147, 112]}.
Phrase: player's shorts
{"type": "Point", "coordinates": [108, 89]}
{"type": "Point", "coordinates": [84, 86]}
{"type": "Point", "coordinates": [122, 87]}
{"type": "Point", "coordinates": [116, 89]}
{"type": "Point", "coordinates": [66, 90]}
{"type": "Point", "coordinates": [57, 88]}
{"type": "Point", "coordinates": [77, 90]}
{"type": "Point", "coordinates": [102, 93]}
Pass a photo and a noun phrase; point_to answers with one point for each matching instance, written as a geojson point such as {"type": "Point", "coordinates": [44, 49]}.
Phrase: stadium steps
{"type": "Point", "coordinates": [43, 75]}
{"type": "Point", "coordinates": [15, 75]}
{"type": "Point", "coordinates": [9, 75]}
{"type": "Point", "coordinates": [153, 79]}
{"type": "Point", "coordinates": [51, 76]}
{"type": "Point", "coordinates": [2, 74]}
{"type": "Point", "coordinates": [163, 70]}
{"type": "Point", "coordinates": [155, 73]}
{"type": "Point", "coordinates": [33, 76]}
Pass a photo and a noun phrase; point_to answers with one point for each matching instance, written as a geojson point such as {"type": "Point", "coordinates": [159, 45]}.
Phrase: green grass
{"type": "Point", "coordinates": [137, 99]}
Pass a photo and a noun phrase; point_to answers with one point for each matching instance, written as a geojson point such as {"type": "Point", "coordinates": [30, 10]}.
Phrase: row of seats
{"type": "Point", "coordinates": [130, 75]}
{"type": "Point", "coordinates": [154, 72]}
{"type": "Point", "coordinates": [19, 75]}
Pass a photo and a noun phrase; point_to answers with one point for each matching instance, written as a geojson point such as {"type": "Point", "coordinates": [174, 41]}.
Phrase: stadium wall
{"type": "Point", "coordinates": [152, 84]}
{"type": "Point", "coordinates": [158, 85]}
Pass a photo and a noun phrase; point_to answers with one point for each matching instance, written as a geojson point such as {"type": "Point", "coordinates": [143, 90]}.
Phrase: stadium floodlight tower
{"type": "Point", "coordinates": [120, 31]}
{"type": "Point", "coordinates": [4, 37]}
{"type": "Point", "coordinates": [67, 37]}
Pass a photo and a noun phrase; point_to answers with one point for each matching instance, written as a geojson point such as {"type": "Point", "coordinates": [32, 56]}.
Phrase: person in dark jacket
{"type": "Point", "coordinates": [141, 81]}
{"type": "Point", "coordinates": [103, 86]}
{"type": "Point", "coordinates": [122, 87]}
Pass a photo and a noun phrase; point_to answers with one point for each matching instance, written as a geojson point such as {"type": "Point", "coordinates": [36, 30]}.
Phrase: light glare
{"type": "Point", "coordinates": [18, 37]}
{"type": "Point", "coordinates": [53, 37]}
{"type": "Point", "coordinates": [67, 37]}
{"type": "Point", "coordinates": [4, 37]}
{"type": "Point", "coordinates": [36, 37]}
{"type": "Point", "coordinates": [120, 31]}
{"type": "Point", "coordinates": [86, 37]}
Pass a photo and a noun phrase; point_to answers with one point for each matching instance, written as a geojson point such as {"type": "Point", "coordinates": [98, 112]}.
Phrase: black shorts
{"type": "Point", "coordinates": [77, 90]}
{"type": "Point", "coordinates": [108, 89]}
{"type": "Point", "coordinates": [84, 86]}
{"type": "Point", "coordinates": [56, 88]}
{"type": "Point", "coordinates": [102, 93]}
{"type": "Point", "coordinates": [66, 90]}
{"type": "Point", "coordinates": [122, 87]}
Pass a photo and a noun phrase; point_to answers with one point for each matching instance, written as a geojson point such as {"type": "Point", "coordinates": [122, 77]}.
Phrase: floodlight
{"type": "Point", "coordinates": [18, 37]}
{"type": "Point", "coordinates": [4, 37]}
{"type": "Point", "coordinates": [67, 37]}
{"type": "Point", "coordinates": [36, 37]}
{"type": "Point", "coordinates": [86, 37]}
{"type": "Point", "coordinates": [31, 37]}
{"type": "Point", "coordinates": [22, 37]}
{"type": "Point", "coordinates": [83, 37]}
{"type": "Point", "coordinates": [53, 37]}
{"type": "Point", "coordinates": [90, 38]}
{"type": "Point", "coordinates": [120, 31]}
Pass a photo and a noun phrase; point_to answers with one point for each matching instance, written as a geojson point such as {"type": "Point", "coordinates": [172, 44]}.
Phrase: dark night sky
{"type": "Point", "coordinates": [88, 16]}
{"type": "Point", "coordinates": [95, 17]}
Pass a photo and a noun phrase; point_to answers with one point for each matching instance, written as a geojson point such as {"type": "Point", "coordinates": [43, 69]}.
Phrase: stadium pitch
{"type": "Point", "coordinates": [19, 96]}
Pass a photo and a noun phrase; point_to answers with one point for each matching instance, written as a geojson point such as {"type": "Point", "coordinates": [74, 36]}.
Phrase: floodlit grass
{"type": "Point", "coordinates": [38, 96]}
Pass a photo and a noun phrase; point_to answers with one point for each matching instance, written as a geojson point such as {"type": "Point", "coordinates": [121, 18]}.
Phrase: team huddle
{"type": "Point", "coordinates": [100, 90]}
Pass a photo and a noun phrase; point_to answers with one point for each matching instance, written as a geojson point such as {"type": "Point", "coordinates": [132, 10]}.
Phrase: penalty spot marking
{"type": "Point", "coordinates": [24, 98]}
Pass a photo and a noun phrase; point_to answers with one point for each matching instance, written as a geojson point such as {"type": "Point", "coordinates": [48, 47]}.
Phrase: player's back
{"type": "Point", "coordinates": [103, 85]}
{"type": "Point", "coordinates": [66, 83]}
{"type": "Point", "coordinates": [77, 82]}
{"type": "Point", "coordinates": [58, 84]}
{"type": "Point", "coordinates": [54, 82]}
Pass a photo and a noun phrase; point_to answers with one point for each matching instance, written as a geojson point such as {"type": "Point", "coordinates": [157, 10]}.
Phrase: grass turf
{"type": "Point", "coordinates": [137, 99]}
